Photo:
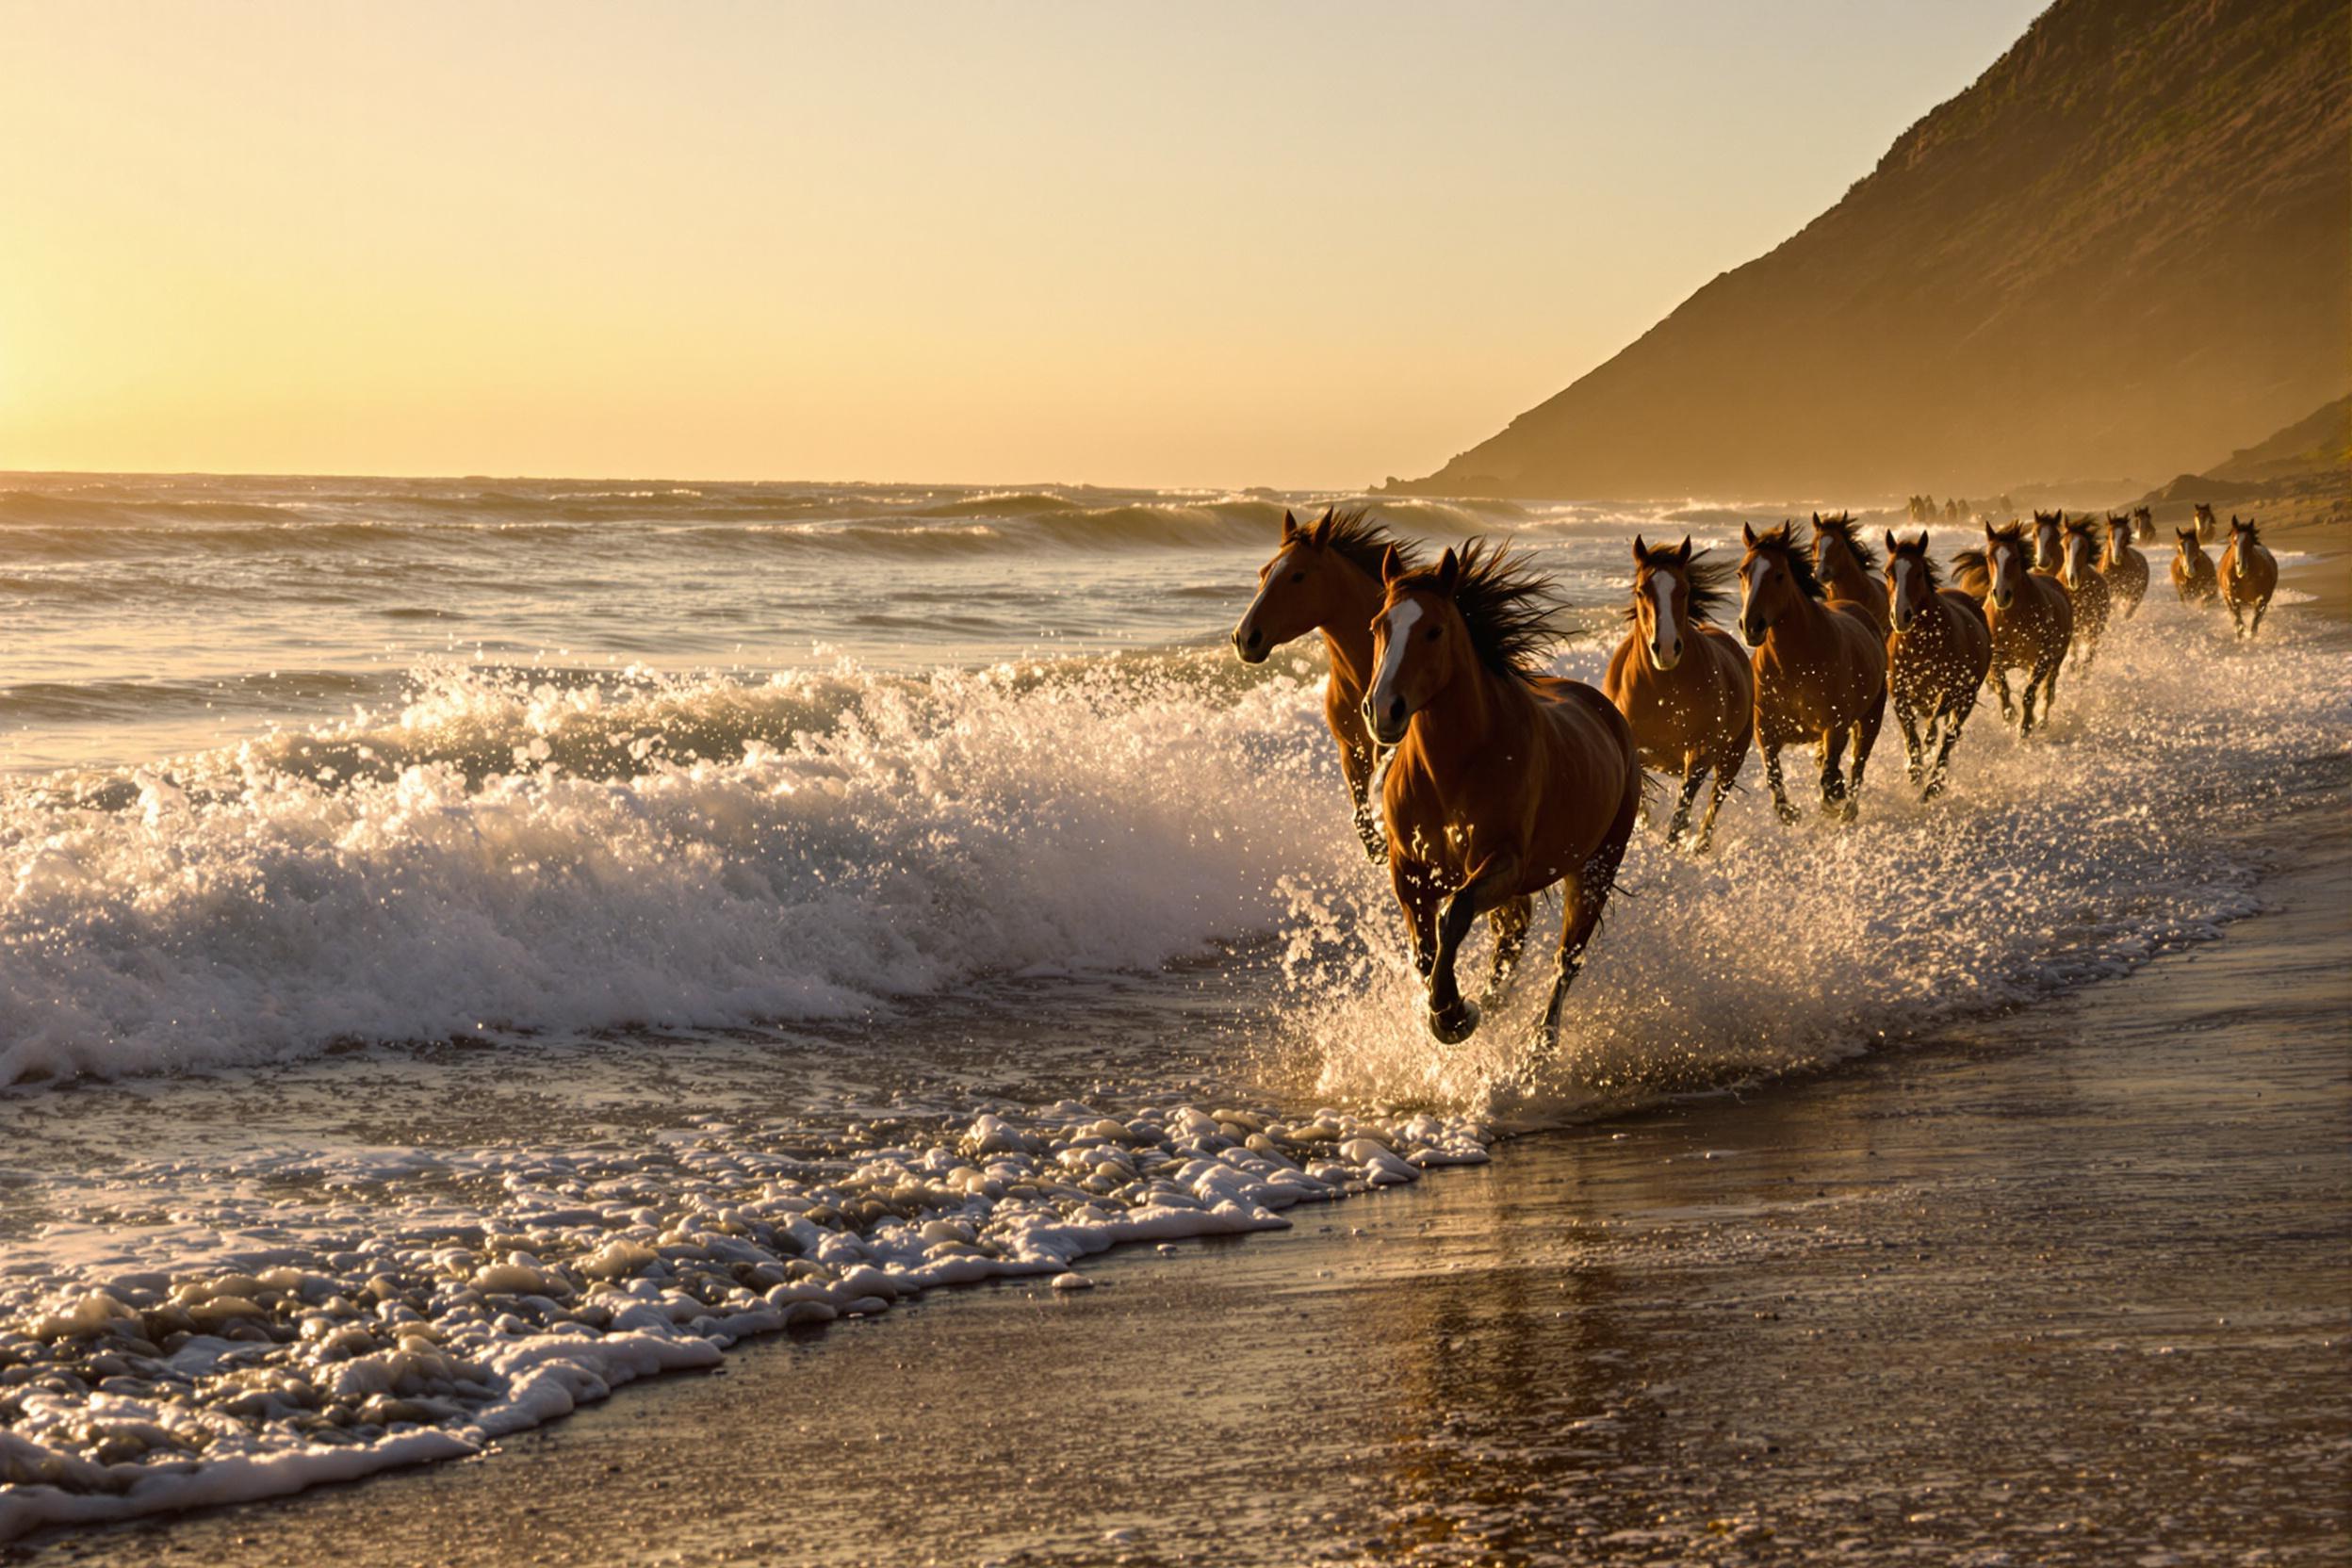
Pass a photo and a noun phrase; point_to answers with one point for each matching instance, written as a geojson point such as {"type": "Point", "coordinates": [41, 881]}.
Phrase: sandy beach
{"type": "Point", "coordinates": [2070, 1286]}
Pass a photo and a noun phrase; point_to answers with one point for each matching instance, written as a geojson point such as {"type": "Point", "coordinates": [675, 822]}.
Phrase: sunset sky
{"type": "Point", "coordinates": [1182, 244]}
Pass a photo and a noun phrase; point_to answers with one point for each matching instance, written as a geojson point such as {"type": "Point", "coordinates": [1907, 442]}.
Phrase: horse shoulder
{"type": "Point", "coordinates": [1617, 685]}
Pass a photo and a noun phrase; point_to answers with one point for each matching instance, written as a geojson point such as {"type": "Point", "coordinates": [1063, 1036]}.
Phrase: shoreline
{"type": "Point", "coordinates": [2045, 1285]}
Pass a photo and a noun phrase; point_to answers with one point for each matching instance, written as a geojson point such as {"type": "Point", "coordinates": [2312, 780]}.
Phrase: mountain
{"type": "Point", "coordinates": [2130, 239]}
{"type": "Point", "coordinates": [2302, 472]}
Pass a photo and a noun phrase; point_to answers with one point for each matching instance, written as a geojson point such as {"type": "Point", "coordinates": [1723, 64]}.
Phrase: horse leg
{"type": "Point", "coordinates": [1586, 895]}
{"type": "Point", "coordinates": [1358, 764]}
{"type": "Point", "coordinates": [2256, 630]}
{"type": "Point", "coordinates": [1865, 742]}
{"type": "Point", "coordinates": [1451, 1017]}
{"type": "Point", "coordinates": [1833, 752]}
{"type": "Point", "coordinates": [1772, 778]}
{"type": "Point", "coordinates": [1417, 894]}
{"type": "Point", "coordinates": [1912, 759]}
{"type": "Point", "coordinates": [1962, 704]}
{"type": "Point", "coordinates": [1726, 771]}
{"type": "Point", "coordinates": [1999, 682]}
{"type": "Point", "coordinates": [1509, 923]}
{"type": "Point", "coordinates": [1694, 774]}
{"type": "Point", "coordinates": [2237, 617]}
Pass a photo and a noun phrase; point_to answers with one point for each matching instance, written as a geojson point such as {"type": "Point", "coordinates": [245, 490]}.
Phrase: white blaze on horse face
{"type": "Point", "coordinates": [1902, 589]}
{"type": "Point", "coordinates": [1666, 642]}
{"type": "Point", "coordinates": [1400, 624]}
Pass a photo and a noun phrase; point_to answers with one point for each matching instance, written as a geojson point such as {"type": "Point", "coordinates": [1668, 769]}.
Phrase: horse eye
{"type": "Point", "coordinates": [1297, 576]}
{"type": "Point", "coordinates": [1430, 635]}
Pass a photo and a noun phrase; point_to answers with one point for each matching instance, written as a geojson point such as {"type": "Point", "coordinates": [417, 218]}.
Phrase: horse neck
{"type": "Point", "coordinates": [1807, 626]}
{"type": "Point", "coordinates": [1347, 631]}
{"type": "Point", "coordinates": [1451, 732]}
{"type": "Point", "coordinates": [1849, 579]}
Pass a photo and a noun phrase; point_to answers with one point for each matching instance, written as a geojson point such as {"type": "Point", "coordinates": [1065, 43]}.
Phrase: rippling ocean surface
{"type": "Point", "coordinates": [466, 943]}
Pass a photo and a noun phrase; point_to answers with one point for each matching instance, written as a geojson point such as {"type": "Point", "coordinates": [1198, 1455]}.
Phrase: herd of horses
{"type": "Point", "coordinates": [1481, 780]}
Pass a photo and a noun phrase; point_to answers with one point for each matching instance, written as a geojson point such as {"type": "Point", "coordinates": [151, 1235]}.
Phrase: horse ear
{"type": "Point", "coordinates": [1290, 524]}
{"type": "Point", "coordinates": [1747, 533]}
{"type": "Point", "coordinates": [1390, 566]}
{"type": "Point", "coordinates": [1639, 553]}
{"type": "Point", "coordinates": [1890, 541]}
{"type": "Point", "coordinates": [1448, 572]}
{"type": "Point", "coordinates": [1682, 551]}
{"type": "Point", "coordinates": [1322, 535]}
{"type": "Point", "coordinates": [1816, 522]}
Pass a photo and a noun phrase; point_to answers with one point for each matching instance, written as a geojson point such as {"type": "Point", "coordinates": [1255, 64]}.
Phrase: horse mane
{"type": "Point", "coordinates": [2083, 526]}
{"type": "Point", "coordinates": [1848, 531]}
{"type": "Point", "coordinates": [1783, 540]}
{"type": "Point", "coordinates": [1511, 610]}
{"type": "Point", "coordinates": [1916, 549]}
{"type": "Point", "coordinates": [1707, 583]}
{"type": "Point", "coordinates": [2253, 534]}
{"type": "Point", "coordinates": [1364, 542]}
{"type": "Point", "coordinates": [2011, 533]}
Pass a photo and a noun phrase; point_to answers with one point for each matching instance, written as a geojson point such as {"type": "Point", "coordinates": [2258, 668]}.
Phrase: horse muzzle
{"type": "Point", "coordinates": [1666, 657]}
{"type": "Point", "coordinates": [1250, 644]}
{"type": "Point", "coordinates": [1751, 632]}
{"type": "Point", "coordinates": [1387, 721]}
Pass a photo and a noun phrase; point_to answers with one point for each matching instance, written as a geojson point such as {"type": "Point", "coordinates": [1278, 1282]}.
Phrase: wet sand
{"type": "Point", "coordinates": [2075, 1288]}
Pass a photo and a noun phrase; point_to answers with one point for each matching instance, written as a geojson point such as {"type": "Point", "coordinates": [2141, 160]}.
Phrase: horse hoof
{"type": "Point", "coordinates": [1454, 1027]}
{"type": "Point", "coordinates": [1790, 815]}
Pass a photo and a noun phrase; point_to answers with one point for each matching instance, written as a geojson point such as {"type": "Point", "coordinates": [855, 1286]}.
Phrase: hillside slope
{"type": "Point", "coordinates": [2129, 240]}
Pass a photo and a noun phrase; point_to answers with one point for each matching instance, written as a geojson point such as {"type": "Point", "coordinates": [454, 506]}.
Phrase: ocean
{"type": "Point", "coordinates": [465, 944]}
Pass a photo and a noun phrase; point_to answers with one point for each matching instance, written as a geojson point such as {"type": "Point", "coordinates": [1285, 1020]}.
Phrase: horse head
{"type": "Point", "coordinates": [1774, 577]}
{"type": "Point", "coordinates": [1910, 579]}
{"type": "Point", "coordinates": [1662, 600]}
{"type": "Point", "coordinates": [1419, 644]}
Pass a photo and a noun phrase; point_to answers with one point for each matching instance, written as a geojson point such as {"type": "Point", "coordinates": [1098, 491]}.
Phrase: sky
{"type": "Point", "coordinates": [1185, 244]}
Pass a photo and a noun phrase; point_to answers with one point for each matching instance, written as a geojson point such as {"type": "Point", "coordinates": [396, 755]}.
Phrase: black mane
{"type": "Point", "coordinates": [1511, 610]}
{"type": "Point", "coordinates": [1707, 583]}
{"type": "Point", "coordinates": [1916, 549]}
{"type": "Point", "coordinates": [1362, 542]}
{"type": "Point", "coordinates": [1847, 531]}
{"type": "Point", "coordinates": [2253, 534]}
{"type": "Point", "coordinates": [1783, 541]}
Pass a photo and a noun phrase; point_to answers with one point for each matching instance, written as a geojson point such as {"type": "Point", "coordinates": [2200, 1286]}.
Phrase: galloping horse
{"type": "Point", "coordinates": [2032, 620]}
{"type": "Point", "coordinates": [2249, 575]}
{"type": "Point", "coordinates": [1500, 785]}
{"type": "Point", "coordinates": [2078, 557]}
{"type": "Point", "coordinates": [2144, 525]}
{"type": "Point", "coordinates": [2192, 569]}
{"type": "Point", "coordinates": [2206, 527]}
{"type": "Point", "coordinates": [2048, 529]}
{"type": "Point", "coordinates": [1936, 658]}
{"type": "Point", "coordinates": [2125, 569]}
{"type": "Point", "coordinates": [1844, 565]}
{"type": "Point", "coordinates": [1681, 682]}
{"type": "Point", "coordinates": [1327, 579]}
{"type": "Point", "coordinates": [1821, 669]}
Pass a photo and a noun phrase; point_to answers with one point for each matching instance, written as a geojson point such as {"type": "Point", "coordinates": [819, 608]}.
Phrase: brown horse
{"type": "Point", "coordinates": [2192, 569]}
{"type": "Point", "coordinates": [1936, 657]}
{"type": "Point", "coordinates": [2087, 590]}
{"type": "Point", "coordinates": [1327, 579]}
{"type": "Point", "coordinates": [2206, 528]}
{"type": "Point", "coordinates": [1681, 682]}
{"type": "Point", "coordinates": [1500, 786]}
{"type": "Point", "coordinates": [1821, 669]}
{"type": "Point", "coordinates": [1846, 567]}
{"type": "Point", "coordinates": [2144, 524]}
{"type": "Point", "coordinates": [2049, 529]}
{"type": "Point", "coordinates": [2032, 620]}
{"type": "Point", "coordinates": [2249, 575]}
{"type": "Point", "coordinates": [2125, 569]}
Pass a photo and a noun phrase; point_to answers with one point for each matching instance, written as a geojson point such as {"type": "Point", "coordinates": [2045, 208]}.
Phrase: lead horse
{"type": "Point", "coordinates": [1936, 658]}
{"type": "Point", "coordinates": [1501, 784]}
{"type": "Point", "coordinates": [1820, 668]}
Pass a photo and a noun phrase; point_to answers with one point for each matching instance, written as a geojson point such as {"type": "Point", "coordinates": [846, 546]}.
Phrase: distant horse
{"type": "Point", "coordinates": [1846, 567]}
{"type": "Point", "coordinates": [1821, 669]}
{"type": "Point", "coordinates": [1682, 682]}
{"type": "Point", "coordinates": [2144, 522]}
{"type": "Point", "coordinates": [2049, 529]}
{"type": "Point", "coordinates": [2249, 575]}
{"type": "Point", "coordinates": [2206, 528]}
{"type": "Point", "coordinates": [2032, 620]}
{"type": "Point", "coordinates": [2193, 576]}
{"type": "Point", "coordinates": [2125, 569]}
{"type": "Point", "coordinates": [1500, 786]}
{"type": "Point", "coordinates": [1936, 658]}
{"type": "Point", "coordinates": [2078, 569]}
